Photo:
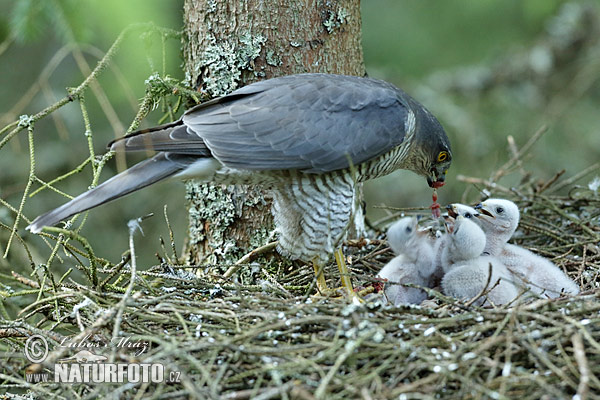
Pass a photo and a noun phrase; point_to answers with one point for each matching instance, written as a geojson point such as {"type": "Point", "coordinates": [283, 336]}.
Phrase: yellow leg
{"type": "Point", "coordinates": [321, 284]}
{"type": "Point", "coordinates": [345, 276]}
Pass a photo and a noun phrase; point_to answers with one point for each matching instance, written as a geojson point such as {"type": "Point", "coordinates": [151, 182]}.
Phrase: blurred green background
{"type": "Point", "coordinates": [487, 69]}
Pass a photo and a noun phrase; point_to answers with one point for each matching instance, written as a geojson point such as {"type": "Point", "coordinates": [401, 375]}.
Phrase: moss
{"type": "Point", "coordinates": [225, 61]}
{"type": "Point", "coordinates": [159, 87]}
{"type": "Point", "coordinates": [250, 49]}
{"type": "Point", "coordinates": [211, 6]}
{"type": "Point", "coordinates": [212, 207]}
{"type": "Point", "coordinates": [333, 19]}
{"type": "Point", "coordinates": [25, 121]}
{"type": "Point", "coordinates": [209, 204]}
{"type": "Point", "coordinates": [261, 236]}
{"type": "Point", "coordinates": [273, 59]}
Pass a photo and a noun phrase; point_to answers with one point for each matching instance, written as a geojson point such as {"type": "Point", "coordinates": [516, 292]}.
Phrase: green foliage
{"type": "Point", "coordinates": [30, 19]}
{"type": "Point", "coordinates": [26, 22]}
{"type": "Point", "coordinates": [410, 39]}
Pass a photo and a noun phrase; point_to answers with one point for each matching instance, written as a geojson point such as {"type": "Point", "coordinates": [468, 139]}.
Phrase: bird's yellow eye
{"type": "Point", "coordinates": [443, 156]}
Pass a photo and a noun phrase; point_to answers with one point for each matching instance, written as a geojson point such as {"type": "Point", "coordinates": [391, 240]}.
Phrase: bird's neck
{"type": "Point", "coordinates": [494, 244]}
{"type": "Point", "coordinates": [451, 256]}
{"type": "Point", "coordinates": [397, 158]}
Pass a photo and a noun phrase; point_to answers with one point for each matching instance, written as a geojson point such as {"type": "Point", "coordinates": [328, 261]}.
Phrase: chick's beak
{"type": "Point", "coordinates": [483, 211]}
{"type": "Point", "coordinates": [452, 211]}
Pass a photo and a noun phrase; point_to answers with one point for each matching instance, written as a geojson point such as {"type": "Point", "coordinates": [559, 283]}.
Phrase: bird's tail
{"type": "Point", "coordinates": [145, 173]}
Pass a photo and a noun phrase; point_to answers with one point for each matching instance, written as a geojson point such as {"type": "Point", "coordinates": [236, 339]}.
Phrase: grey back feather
{"type": "Point", "coordinates": [312, 122]}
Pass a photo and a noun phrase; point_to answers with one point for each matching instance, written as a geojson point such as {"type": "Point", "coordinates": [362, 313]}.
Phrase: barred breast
{"type": "Point", "coordinates": [312, 215]}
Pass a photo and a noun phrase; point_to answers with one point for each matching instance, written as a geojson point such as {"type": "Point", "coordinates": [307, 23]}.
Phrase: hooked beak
{"type": "Point", "coordinates": [437, 179]}
{"type": "Point", "coordinates": [434, 182]}
{"type": "Point", "coordinates": [483, 211]}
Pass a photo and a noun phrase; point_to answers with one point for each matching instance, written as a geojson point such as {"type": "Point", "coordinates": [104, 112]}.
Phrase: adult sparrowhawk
{"type": "Point", "coordinates": [310, 138]}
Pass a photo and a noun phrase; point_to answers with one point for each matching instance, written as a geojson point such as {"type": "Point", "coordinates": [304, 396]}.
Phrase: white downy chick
{"type": "Point", "coordinates": [467, 280]}
{"type": "Point", "coordinates": [499, 219]}
{"type": "Point", "coordinates": [467, 272]}
{"type": "Point", "coordinates": [454, 210]}
{"type": "Point", "coordinates": [465, 243]}
{"type": "Point", "coordinates": [411, 265]}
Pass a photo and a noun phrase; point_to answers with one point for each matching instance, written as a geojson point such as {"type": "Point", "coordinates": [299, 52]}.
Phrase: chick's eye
{"type": "Point", "coordinates": [408, 229]}
{"type": "Point", "coordinates": [499, 210]}
{"type": "Point", "coordinates": [468, 215]}
{"type": "Point", "coordinates": [442, 156]}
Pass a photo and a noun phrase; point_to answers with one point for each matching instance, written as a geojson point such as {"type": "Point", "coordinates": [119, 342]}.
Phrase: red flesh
{"type": "Point", "coordinates": [379, 284]}
{"type": "Point", "coordinates": [435, 207]}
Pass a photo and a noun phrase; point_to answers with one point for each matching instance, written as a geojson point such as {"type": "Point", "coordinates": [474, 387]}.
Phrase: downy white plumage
{"type": "Point", "coordinates": [499, 219]}
{"type": "Point", "coordinates": [440, 244]}
{"type": "Point", "coordinates": [467, 273]}
{"type": "Point", "coordinates": [413, 263]}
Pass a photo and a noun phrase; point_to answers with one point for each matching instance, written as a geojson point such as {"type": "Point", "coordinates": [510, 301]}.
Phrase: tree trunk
{"type": "Point", "coordinates": [228, 44]}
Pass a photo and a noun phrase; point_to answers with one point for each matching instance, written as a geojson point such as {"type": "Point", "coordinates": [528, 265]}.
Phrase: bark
{"type": "Point", "coordinates": [228, 44]}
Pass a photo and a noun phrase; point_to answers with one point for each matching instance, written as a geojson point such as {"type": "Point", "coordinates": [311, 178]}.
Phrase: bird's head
{"type": "Point", "coordinates": [434, 148]}
{"type": "Point", "coordinates": [402, 233]}
{"type": "Point", "coordinates": [498, 216]}
{"type": "Point", "coordinates": [456, 209]}
{"type": "Point", "coordinates": [437, 170]}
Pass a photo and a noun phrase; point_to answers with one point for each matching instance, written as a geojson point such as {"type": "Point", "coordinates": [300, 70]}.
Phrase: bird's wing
{"type": "Point", "coordinates": [173, 137]}
{"type": "Point", "coordinates": [312, 122]}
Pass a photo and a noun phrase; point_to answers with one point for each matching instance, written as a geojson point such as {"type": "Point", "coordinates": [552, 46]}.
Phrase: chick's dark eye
{"type": "Point", "coordinates": [468, 215]}
{"type": "Point", "coordinates": [499, 210]}
{"type": "Point", "coordinates": [408, 229]}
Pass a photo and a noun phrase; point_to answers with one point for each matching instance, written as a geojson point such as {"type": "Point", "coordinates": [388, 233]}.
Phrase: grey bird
{"type": "Point", "coordinates": [310, 138]}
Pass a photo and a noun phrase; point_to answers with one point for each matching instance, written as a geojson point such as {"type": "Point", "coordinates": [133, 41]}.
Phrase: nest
{"type": "Point", "coordinates": [261, 336]}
